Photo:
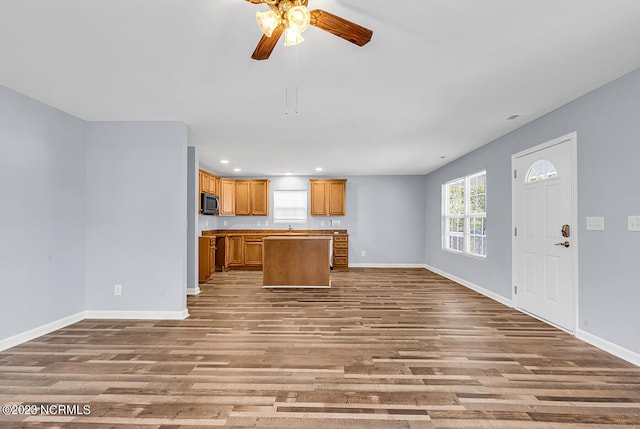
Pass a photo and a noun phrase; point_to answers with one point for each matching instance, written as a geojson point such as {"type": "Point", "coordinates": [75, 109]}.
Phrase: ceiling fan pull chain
{"type": "Point", "coordinates": [286, 101]}
{"type": "Point", "coordinates": [297, 74]}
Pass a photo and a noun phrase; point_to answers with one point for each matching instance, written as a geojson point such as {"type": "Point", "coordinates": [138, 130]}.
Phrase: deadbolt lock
{"type": "Point", "coordinates": [566, 231]}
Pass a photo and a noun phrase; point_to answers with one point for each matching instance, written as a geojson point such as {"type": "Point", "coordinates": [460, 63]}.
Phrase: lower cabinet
{"type": "Point", "coordinates": [253, 251]}
{"type": "Point", "coordinates": [234, 250]}
{"type": "Point", "coordinates": [206, 258]}
{"type": "Point", "coordinates": [341, 252]}
{"type": "Point", "coordinates": [245, 251]}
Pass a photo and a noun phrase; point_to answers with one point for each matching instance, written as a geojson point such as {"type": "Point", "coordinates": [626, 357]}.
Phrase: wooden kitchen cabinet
{"type": "Point", "coordinates": [253, 251]}
{"type": "Point", "coordinates": [252, 197]}
{"type": "Point", "coordinates": [341, 252]}
{"type": "Point", "coordinates": [235, 250]}
{"type": "Point", "coordinates": [259, 193]}
{"type": "Point", "coordinates": [244, 249]}
{"type": "Point", "coordinates": [206, 257]}
{"type": "Point", "coordinates": [227, 197]}
{"type": "Point", "coordinates": [208, 183]}
{"type": "Point", "coordinates": [328, 197]}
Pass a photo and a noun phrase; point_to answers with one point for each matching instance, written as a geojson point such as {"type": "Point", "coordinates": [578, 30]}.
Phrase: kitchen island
{"type": "Point", "coordinates": [296, 261]}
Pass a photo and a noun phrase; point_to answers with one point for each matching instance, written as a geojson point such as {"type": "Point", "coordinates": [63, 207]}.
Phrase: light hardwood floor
{"type": "Point", "coordinates": [380, 349]}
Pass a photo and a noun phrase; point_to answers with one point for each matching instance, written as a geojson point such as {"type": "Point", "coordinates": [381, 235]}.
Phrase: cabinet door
{"type": "Point", "coordinates": [203, 182]}
{"type": "Point", "coordinates": [213, 185]}
{"type": "Point", "coordinates": [253, 252]}
{"type": "Point", "coordinates": [337, 197]}
{"type": "Point", "coordinates": [212, 255]}
{"type": "Point", "coordinates": [243, 206]}
{"type": "Point", "coordinates": [259, 197]}
{"type": "Point", "coordinates": [203, 259]}
{"type": "Point", "coordinates": [319, 195]}
{"type": "Point", "coordinates": [235, 250]}
{"type": "Point", "coordinates": [227, 197]}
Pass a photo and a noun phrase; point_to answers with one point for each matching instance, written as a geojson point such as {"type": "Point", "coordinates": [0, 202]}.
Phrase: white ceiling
{"type": "Point", "coordinates": [438, 79]}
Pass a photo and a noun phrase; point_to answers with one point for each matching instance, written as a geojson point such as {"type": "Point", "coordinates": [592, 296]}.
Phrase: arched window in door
{"type": "Point", "coordinates": [542, 169]}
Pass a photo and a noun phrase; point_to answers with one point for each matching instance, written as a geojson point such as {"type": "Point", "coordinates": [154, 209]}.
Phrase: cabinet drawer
{"type": "Point", "coordinates": [252, 238]}
{"type": "Point", "coordinates": [341, 252]}
{"type": "Point", "coordinates": [340, 237]}
{"type": "Point", "coordinates": [340, 245]}
{"type": "Point", "coordinates": [340, 260]}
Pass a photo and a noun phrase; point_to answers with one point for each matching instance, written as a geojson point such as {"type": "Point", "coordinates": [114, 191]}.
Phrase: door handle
{"type": "Point", "coordinates": [565, 244]}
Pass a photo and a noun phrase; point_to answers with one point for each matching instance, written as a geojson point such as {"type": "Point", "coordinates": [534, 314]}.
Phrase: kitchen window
{"type": "Point", "coordinates": [464, 202]}
{"type": "Point", "coordinates": [289, 206]}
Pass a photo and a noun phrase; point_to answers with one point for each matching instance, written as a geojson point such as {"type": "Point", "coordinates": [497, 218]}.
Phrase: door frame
{"type": "Point", "coordinates": [572, 139]}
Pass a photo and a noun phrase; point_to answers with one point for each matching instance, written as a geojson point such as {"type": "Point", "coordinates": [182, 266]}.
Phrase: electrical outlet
{"type": "Point", "coordinates": [206, 223]}
{"type": "Point", "coordinates": [321, 223]}
{"type": "Point", "coordinates": [117, 290]}
{"type": "Point", "coordinates": [266, 223]}
{"type": "Point", "coordinates": [363, 253]}
{"type": "Point", "coordinates": [225, 223]}
{"type": "Point", "coordinates": [259, 223]}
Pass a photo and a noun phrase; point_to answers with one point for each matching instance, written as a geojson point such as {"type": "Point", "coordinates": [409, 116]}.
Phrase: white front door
{"type": "Point", "coordinates": [545, 230]}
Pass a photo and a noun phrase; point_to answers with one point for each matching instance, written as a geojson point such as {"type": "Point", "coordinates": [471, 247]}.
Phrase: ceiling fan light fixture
{"type": "Point", "coordinates": [298, 19]}
{"type": "Point", "coordinates": [267, 21]}
{"type": "Point", "coordinates": [292, 37]}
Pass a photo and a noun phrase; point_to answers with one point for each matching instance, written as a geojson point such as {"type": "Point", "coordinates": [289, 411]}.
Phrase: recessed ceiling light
{"type": "Point", "coordinates": [237, 170]}
{"type": "Point", "coordinates": [224, 161]}
{"type": "Point", "coordinates": [514, 116]}
{"type": "Point", "coordinates": [318, 168]}
{"type": "Point", "coordinates": [443, 156]}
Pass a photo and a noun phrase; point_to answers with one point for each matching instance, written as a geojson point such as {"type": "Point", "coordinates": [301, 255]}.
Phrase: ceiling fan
{"type": "Point", "coordinates": [292, 17]}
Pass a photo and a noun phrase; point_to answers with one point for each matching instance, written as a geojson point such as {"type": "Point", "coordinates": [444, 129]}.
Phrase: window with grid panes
{"type": "Point", "coordinates": [465, 214]}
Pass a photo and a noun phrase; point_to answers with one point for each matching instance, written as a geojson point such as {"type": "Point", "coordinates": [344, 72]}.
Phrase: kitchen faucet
{"type": "Point", "coordinates": [290, 229]}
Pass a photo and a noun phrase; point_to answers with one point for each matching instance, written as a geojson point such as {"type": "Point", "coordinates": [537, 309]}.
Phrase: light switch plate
{"type": "Point", "coordinates": [595, 223]}
{"type": "Point", "coordinates": [634, 223]}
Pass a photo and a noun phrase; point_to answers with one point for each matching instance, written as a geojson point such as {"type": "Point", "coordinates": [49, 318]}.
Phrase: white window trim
{"type": "Point", "coordinates": [467, 216]}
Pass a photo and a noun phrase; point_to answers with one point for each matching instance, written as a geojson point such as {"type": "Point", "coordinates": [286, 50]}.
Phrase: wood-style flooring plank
{"type": "Point", "coordinates": [382, 348]}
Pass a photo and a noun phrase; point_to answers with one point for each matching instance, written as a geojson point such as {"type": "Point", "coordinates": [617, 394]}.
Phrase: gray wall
{"type": "Point", "coordinates": [42, 214]}
{"type": "Point", "coordinates": [608, 127]}
{"type": "Point", "coordinates": [385, 218]}
{"type": "Point", "coordinates": [192, 219]}
{"type": "Point", "coordinates": [135, 216]}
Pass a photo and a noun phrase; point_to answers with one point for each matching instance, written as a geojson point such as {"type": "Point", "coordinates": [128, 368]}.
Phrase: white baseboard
{"type": "Point", "coordinates": [486, 292]}
{"type": "Point", "coordinates": [138, 315]}
{"type": "Point", "coordinates": [607, 346]}
{"type": "Point", "coordinates": [194, 291]}
{"type": "Point", "coordinates": [383, 265]}
{"type": "Point", "coordinates": [34, 333]}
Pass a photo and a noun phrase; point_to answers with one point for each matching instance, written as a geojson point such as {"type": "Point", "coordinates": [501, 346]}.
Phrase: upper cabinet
{"type": "Point", "coordinates": [328, 197]}
{"type": "Point", "coordinates": [252, 197]}
{"type": "Point", "coordinates": [227, 197]}
{"type": "Point", "coordinates": [208, 183]}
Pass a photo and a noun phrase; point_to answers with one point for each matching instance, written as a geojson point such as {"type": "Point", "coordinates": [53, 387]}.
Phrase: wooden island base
{"type": "Point", "coordinates": [296, 262]}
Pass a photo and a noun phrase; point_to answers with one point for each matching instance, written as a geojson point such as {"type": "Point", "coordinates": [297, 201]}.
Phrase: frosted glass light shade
{"type": "Point", "coordinates": [267, 21]}
{"type": "Point", "coordinates": [298, 19]}
{"type": "Point", "coordinates": [292, 37]}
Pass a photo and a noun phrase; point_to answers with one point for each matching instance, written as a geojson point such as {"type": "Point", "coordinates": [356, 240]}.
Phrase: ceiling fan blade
{"type": "Point", "coordinates": [347, 30]}
{"type": "Point", "coordinates": [266, 44]}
